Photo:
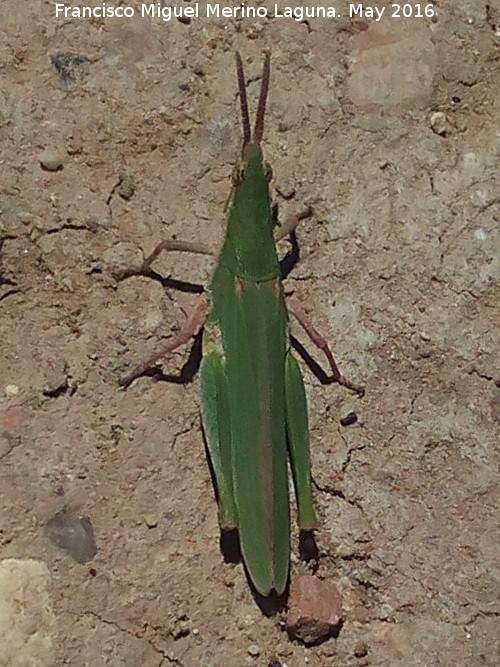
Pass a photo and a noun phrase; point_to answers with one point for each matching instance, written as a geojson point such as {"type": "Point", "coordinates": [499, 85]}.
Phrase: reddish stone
{"type": "Point", "coordinates": [315, 609]}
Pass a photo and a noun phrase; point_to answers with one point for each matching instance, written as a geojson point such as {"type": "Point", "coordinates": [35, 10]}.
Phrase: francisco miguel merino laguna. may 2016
{"type": "Point", "coordinates": [216, 10]}
{"type": "Point", "coordinates": [197, 10]}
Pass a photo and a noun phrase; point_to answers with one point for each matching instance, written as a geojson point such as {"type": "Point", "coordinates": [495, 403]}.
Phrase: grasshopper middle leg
{"type": "Point", "coordinates": [299, 314]}
{"type": "Point", "coordinates": [193, 322]}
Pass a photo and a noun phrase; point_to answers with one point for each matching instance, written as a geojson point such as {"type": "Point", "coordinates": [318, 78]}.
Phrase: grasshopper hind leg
{"type": "Point", "coordinates": [214, 416]}
{"type": "Point", "coordinates": [298, 441]}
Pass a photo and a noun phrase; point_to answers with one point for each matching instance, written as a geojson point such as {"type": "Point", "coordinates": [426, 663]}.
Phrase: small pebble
{"type": "Point", "coordinates": [360, 650]}
{"type": "Point", "coordinates": [72, 533]}
{"type": "Point", "coordinates": [254, 650]}
{"type": "Point", "coordinates": [11, 389]}
{"type": "Point", "coordinates": [55, 377]}
{"type": "Point", "coordinates": [126, 187]}
{"type": "Point", "coordinates": [349, 419]}
{"type": "Point", "coordinates": [151, 521]}
{"type": "Point", "coordinates": [439, 123]}
{"type": "Point", "coordinates": [50, 160]}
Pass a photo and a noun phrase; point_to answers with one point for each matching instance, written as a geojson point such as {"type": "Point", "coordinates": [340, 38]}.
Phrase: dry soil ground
{"type": "Point", "coordinates": [389, 130]}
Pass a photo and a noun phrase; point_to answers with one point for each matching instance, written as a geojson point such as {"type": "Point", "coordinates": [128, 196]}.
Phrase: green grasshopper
{"type": "Point", "coordinates": [253, 403]}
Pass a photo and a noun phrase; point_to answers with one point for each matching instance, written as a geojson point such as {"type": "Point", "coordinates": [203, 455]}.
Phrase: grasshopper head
{"type": "Point", "coordinates": [249, 247]}
{"type": "Point", "coordinates": [251, 166]}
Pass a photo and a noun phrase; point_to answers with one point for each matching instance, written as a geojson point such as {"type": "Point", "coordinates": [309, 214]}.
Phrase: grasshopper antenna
{"type": "Point", "coordinates": [261, 108]}
{"type": "Point", "coordinates": [245, 118]}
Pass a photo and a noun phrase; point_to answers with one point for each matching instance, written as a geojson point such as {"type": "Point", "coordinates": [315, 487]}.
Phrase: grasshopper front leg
{"type": "Point", "coordinates": [170, 245]}
{"type": "Point", "coordinates": [289, 226]}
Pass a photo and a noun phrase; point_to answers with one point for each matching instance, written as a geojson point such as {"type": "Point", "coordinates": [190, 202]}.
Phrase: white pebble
{"type": "Point", "coordinates": [254, 650]}
{"type": "Point", "coordinates": [50, 160]}
{"type": "Point", "coordinates": [438, 122]}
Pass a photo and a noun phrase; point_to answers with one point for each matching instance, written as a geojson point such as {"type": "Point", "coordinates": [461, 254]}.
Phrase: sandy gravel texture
{"type": "Point", "coordinates": [118, 133]}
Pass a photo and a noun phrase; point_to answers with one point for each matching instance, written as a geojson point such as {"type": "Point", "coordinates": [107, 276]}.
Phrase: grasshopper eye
{"type": "Point", "coordinates": [268, 171]}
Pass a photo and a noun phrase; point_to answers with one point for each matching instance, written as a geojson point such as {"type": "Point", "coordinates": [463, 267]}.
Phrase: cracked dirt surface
{"type": "Point", "coordinates": [399, 268]}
